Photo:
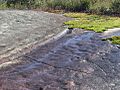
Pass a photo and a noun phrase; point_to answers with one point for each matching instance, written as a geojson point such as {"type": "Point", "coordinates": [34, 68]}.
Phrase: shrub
{"type": "Point", "coordinates": [18, 3]}
{"type": "Point", "coordinates": [69, 5]}
{"type": "Point", "coordinates": [104, 10]}
{"type": "Point", "coordinates": [85, 5]}
{"type": "Point", "coordinates": [92, 6]}
{"type": "Point", "coordinates": [115, 6]}
{"type": "Point", "coordinates": [54, 4]}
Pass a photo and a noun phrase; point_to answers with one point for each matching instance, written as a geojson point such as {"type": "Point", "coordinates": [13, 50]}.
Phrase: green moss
{"type": "Point", "coordinates": [114, 39]}
{"type": "Point", "coordinates": [95, 23]}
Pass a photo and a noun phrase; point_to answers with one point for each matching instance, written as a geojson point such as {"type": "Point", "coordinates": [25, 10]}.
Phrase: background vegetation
{"type": "Point", "coordinates": [92, 6]}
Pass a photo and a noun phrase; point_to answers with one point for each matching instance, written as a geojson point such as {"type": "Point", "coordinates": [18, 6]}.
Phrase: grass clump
{"type": "Point", "coordinates": [95, 23]}
{"type": "Point", "coordinates": [114, 39]}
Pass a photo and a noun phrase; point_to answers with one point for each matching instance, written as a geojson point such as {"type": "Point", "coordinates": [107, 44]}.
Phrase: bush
{"type": "Point", "coordinates": [69, 5]}
{"type": "Point", "coordinates": [104, 10]}
{"type": "Point", "coordinates": [78, 5]}
{"type": "Point", "coordinates": [92, 6]}
{"type": "Point", "coordinates": [20, 3]}
{"type": "Point", "coordinates": [115, 6]}
{"type": "Point", "coordinates": [55, 4]}
{"type": "Point", "coordinates": [73, 5]}
{"type": "Point", "coordinates": [85, 5]}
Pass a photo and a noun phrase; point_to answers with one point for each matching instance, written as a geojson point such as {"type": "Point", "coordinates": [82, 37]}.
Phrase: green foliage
{"type": "Point", "coordinates": [85, 5]}
{"type": "Point", "coordinates": [69, 5]}
{"type": "Point", "coordinates": [93, 6]}
{"type": "Point", "coordinates": [100, 6]}
{"type": "Point", "coordinates": [20, 3]}
{"type": "Point", "coordinates": [95, 23]}
{"type": "Point", "coordinates": [3, 6]}
{"type": "Point", "coordinates": [116, 6]}
{"type": "Point", "coordinates": [114, 39]}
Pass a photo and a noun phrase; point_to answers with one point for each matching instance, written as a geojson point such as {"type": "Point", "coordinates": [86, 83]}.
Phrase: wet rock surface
{"type": "Point", "coordinates": [78, 61]}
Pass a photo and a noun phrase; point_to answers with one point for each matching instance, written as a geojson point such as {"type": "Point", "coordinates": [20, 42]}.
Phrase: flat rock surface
{"type": "Point", "coordinates": [111, 32]}
{"type": "Point", "coordinates": [78, 61]}
{"type": "Point", "coordinates": [20, 29]}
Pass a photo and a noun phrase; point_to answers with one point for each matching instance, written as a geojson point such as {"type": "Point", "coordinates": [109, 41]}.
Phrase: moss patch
{"type": "Point", "coordinates": [95, 23]}
{"type": "Point", "coordinates": [114, 39]}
